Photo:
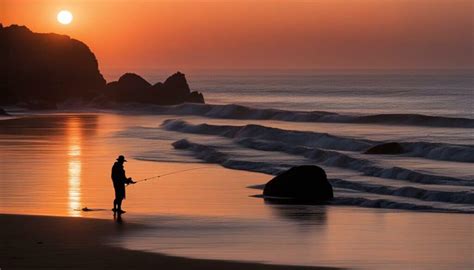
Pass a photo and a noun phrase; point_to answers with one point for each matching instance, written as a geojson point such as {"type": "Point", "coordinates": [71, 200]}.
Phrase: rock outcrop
{"type": "Point", "coordinates": [392, 148]}
{"type": "Point", "coordinates": [40, 70]}
{"type": "Point", "coordinates": [132, 88]}
{"type": "Point", "coordinates": [302, 184]}
{"type": "Point", "coordinates": [45, 68]}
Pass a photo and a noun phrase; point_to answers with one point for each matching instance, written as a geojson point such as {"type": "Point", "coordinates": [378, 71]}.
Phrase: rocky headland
{"type": "Point", "coordinates": [40, 70]}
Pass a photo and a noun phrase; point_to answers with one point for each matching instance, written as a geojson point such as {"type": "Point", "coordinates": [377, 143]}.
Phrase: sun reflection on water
{"type": "Point", "coordinates": [74, 166]}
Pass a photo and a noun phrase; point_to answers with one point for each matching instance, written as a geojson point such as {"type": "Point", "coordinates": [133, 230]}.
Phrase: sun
{"type": "Point", "coordinates": [64, 17]}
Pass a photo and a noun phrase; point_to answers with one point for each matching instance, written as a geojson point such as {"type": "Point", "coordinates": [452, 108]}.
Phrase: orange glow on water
{"type": "Point", "coordinates": [74, 165]}
{"type": "Point", "coordinates": [69, 165]}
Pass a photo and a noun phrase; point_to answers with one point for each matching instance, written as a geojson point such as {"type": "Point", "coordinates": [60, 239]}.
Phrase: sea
{"type": "Point", "coordinates": [405, 211]}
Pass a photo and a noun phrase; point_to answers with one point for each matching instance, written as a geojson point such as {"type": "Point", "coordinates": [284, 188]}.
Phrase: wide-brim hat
{"type": "Point", "coordinates": [121, 158]}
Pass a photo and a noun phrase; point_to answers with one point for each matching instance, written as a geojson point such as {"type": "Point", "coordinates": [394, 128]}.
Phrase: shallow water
{"type": "Point", "coordinates": [317, 235]}
{"type": "Point", "coordinates": [57, 163]}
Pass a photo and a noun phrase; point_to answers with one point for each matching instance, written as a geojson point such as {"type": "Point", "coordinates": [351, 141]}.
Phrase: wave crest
{"type": "Point", "coordinates": [213, 155]}
{"type": "Point", "coordinates": [234, 111]}
{"type": "Point", "coordinates": [436, 151]}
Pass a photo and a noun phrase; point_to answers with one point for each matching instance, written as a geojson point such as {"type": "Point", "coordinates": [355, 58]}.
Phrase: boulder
{"type": "Point", "coordinates": [301, 184]}
{"type": "Point", "coordinates": [46, 67]}
{"type": "Point", "coordinates": [174, 90]}
{"type": "Point", "coordinates": [133, 81]}
{"type": "Point", "coordinates": [195, 97]}
{"type": "Point", "coordinates": [392, 148]}
{"type": "Point", "coordinates": [133, 88]}
{"type": "Point", "coordinates": [177, 86]}
{"type": "Point", "coordinates": [129, 88]}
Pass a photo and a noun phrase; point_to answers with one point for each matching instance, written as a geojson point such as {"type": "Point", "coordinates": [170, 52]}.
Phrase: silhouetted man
{"type": "Point", "coordinates": [120, 180]}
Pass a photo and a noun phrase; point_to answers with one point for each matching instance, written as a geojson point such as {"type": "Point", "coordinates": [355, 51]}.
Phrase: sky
{"type": "Point", "coordinates": [276, 34]}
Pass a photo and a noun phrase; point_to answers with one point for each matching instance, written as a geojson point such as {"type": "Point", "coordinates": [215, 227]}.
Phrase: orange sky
{"type": "Point", "coordinates": [183, 34]}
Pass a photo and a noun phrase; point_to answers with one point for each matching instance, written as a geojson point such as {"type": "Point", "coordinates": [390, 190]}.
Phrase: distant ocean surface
{"type": "Point", "coordinates": [430, 92]}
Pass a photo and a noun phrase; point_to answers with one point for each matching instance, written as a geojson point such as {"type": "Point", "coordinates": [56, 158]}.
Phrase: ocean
{"type": "Point", "coordinates": [430, 92]}
{"type": "Point", "coordinates": [272, 121]}
{"type": "Point", "coordinates": [411, 210]}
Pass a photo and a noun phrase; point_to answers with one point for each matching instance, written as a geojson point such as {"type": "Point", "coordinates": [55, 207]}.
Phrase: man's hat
{"type": "Point", "coordinates": [121, 158]}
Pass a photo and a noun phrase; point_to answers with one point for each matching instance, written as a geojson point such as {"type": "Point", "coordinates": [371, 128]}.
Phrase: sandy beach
{"type": "Point", "coordinates": [79, 243]}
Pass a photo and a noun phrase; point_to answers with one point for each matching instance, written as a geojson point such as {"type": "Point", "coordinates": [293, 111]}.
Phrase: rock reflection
{"type": "Point", "coordinates": [302, 214]}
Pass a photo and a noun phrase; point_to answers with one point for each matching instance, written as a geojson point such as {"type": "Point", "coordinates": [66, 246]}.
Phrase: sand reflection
{"type": "Point", "coordinates": [74, 165]}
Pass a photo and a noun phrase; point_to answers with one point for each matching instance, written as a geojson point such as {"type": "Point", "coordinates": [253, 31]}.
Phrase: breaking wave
{"type": "Point", "coordinates": [213, 155]}
{"type": "Point", "coordinates": [341, 160]}
{"type": "Point", "coordinates": [463, 197]}
{"type": "Point", "coordinates": [435, 151]}
{"type": "Point", "coordinates": [234, 111]}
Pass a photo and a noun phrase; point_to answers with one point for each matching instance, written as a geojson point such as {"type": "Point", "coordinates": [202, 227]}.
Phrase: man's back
{"type": "Point", "coordinates": [118, 173]}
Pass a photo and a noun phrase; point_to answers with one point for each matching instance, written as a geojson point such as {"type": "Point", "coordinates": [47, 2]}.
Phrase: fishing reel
{"type": "Point", "coordinates": [130, 181]}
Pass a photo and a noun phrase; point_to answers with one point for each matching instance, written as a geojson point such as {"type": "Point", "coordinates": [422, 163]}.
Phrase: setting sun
{"type": "Point", "coordinates": [64, 17]}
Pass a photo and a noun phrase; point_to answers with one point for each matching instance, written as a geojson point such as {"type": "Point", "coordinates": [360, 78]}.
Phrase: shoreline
{"type": "Point", "coordinates": [30, 241]}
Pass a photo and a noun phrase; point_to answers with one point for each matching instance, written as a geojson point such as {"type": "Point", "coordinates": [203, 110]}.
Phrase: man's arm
{"type": "Point", "coordinates": [129, 181]}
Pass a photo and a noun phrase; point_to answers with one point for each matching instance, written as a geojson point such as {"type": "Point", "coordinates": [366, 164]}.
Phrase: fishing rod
{"type": "Point", "coordinates": [170, 173]}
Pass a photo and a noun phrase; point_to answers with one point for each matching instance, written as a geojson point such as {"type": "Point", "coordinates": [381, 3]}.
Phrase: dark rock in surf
{"type": "Point", "coordinates": [133, 88]}
{"type": "Point", "coordinates": [175, 90]}
{"type": "Point", "coordinates": [305, 184]}
{"type": "Point", "coordinates": [392, 148]}
{"type": "Point", "coordinates": [181, 144]}
{"type": "Point", "coordinates": [45, 68]}
{"type": "Point", "coordinates": [195, 97]}
{"type": "Point", "coordinates": [133, 81]}
{"type": "Point", "coordinates": [129, 88]}
{"type": "Point", "coordinates": [176, 87]}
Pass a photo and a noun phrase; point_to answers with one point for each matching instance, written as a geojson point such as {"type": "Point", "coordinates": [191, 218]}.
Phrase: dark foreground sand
{"type": "Point", "coordinates": [65, 242]}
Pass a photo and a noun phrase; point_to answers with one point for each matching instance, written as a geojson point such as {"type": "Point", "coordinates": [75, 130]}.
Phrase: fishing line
{"type": "Point", "coordinates": [170, 173]}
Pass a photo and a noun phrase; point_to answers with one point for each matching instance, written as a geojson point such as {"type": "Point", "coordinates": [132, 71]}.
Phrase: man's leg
{"type": "Point", "coordinates": [115, 205]}
{"type": "Point", "coordinates": [119, 205]}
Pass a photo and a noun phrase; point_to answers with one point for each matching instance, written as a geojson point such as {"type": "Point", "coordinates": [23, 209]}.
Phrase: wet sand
{"type": "Point", "coordinates": [79, 243]}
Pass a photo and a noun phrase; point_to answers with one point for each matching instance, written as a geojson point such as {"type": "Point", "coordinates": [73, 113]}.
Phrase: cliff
{"type": "Point", "coordinates": [41, 70]}
{"type": "Point", "coordinates": [45, 67]}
